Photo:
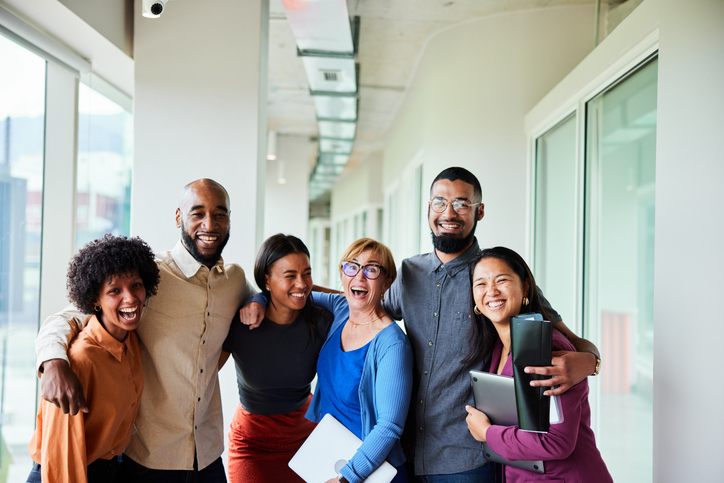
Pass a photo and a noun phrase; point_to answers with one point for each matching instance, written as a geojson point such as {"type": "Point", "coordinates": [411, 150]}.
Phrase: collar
{"type": "Point", "coordinates": [101, 336]}
{"type": "Point", "coordinates": [459, 263]}
{"type": "Point", "coordinates": [188, 265]}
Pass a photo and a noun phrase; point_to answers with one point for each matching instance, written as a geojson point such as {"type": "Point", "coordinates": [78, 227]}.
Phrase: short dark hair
{"type": "Point", "coordinates": [483, 333]}
{"type": "Point", "coordinates": [100, 259]}
{"type": "Point", "coordinates": [456, 173]}
{"type": "Point", "coordinates": [274, 248]}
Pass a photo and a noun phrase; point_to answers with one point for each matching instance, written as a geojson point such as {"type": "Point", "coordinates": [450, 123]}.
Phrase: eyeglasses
{"type": "Point", "coordinates": [351, 269]}
{"type": "Point", "coordinates": [461, 207]}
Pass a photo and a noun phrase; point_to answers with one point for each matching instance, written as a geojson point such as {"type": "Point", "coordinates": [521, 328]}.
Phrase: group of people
{"type": "Point", "coordinates": [163, 326]}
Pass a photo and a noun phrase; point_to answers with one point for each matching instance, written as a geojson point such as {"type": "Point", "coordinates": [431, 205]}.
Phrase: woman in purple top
{"type": "Point", "coordinates": [503, 285]}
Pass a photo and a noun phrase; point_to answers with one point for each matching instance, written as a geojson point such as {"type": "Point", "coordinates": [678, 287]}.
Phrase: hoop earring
{"type": "Point", "coordinates": [477, 310]}
{"type": "Point", "coordinates": [383, 297]}
{"type": "Point", "coordinates": [97, 308]}
{"type": "Point", "coordinates": [525, 301]}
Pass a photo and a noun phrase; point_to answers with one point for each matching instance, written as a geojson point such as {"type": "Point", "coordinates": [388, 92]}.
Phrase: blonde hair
{"type": "Point", "coordinates": [385, 255]}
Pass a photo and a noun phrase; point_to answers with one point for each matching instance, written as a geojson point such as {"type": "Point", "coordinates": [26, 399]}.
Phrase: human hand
{"type": "Point", "coordinates": [333, 480]}
{"type": "Point", "coordinates": [252, 314]}
{"type": "Point", "coordinates": [567, 370]}
{"type": "Point", "coordinates": [60, 386]}
{"type": "Point", "coordinates": [478, 423]}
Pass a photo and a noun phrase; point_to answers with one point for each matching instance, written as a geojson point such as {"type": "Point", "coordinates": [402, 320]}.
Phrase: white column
{"type": "Point", "coordinates": [61, 135]}
{"type": "Point", "coordinates": [689, 262]}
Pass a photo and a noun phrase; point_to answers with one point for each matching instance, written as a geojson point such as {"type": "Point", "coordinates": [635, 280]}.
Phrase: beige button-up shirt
{"type": "Point", "coordinates": [181, 333]}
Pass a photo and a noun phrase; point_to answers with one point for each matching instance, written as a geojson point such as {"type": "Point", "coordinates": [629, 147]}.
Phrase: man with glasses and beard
{"type": "Point", "coordinates": [432, 294]}
{"type": "Point", "coordinates": [180, 434]}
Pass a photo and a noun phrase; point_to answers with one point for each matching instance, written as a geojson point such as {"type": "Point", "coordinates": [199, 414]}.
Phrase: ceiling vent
{"type": "Point", "coordinates": [331, 75]}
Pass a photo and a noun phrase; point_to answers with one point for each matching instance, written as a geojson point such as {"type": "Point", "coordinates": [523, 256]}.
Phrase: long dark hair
{"type": "Point", "coordinates": [482, 332]}
{"type": "Point", "coordinates": [274, 248]}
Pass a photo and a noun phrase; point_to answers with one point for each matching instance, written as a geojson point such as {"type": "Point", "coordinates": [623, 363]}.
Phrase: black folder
{"type": "Point", "coordinates": [531, 341]}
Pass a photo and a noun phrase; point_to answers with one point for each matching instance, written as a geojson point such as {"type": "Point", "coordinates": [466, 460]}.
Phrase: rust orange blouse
{"type": "Point", "coordinates": [112, 379]}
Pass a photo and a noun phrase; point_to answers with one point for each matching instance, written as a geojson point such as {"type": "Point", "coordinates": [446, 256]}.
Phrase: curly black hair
{"type": "Point", "coordinates": [100, 259]}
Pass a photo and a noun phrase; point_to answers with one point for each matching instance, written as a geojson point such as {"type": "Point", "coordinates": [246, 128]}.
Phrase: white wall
{"type": "Point", "coordinates": [466, 102]}
{"type": "Point", "coordinates": [286, 206]}
{"type": "Point", "coordinates": [688, 417]}
{"type": "Point", "coordinates": [200, 97]}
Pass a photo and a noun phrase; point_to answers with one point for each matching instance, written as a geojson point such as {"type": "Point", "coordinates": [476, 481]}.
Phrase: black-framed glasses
{"type": "Point", "coordinates": [461, 207]}
{"type": "Point", "coordinates": [371, 271]}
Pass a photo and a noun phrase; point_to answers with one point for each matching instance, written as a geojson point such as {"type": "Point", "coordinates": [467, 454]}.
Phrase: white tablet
{"type": "Point", "coordinates": [326, 451]}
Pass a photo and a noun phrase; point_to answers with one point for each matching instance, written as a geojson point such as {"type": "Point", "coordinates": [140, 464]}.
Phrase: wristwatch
{"type": "Point", "coordinates": [598, 364]}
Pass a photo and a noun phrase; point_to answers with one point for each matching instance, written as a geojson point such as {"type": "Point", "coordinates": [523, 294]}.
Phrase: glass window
{"type": "Point", "coordinates": [22, 131]}
{"type": "Point", "coordinates": [619, 267]}
{"type": "Point", "coordinates": [555, 216]}
{"type": "Point", "coordinates": [105, 159]}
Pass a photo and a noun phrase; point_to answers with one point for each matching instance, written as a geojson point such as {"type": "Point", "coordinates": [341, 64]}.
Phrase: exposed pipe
{"type": "Point", "coordinates": [597, 21]}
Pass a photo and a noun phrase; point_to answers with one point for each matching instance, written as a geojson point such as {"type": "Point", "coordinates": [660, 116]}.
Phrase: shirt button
{"type": "Point", "coordinates": [438, 284]}
{"type": "Point", "coordinates": [203, 342]}
{"type": "Point", "coordinates": [208, 313]}
{"type": "Point", "coordinates": [420, 401]}
{"type": "Point", "coordinates": [202, 371]}
{"type": "Point", "coordinates": [420, 428]}
{"type": "Point", "coordinates": [435, 314]}
{"type": "Point", "coordinates": [430, 344]}
{"type": "Point", "coordinates": [113, 452]}
{"type": "Point", "coordinates": [199, 399]}
{"type": "Point", "coordinates": [425, 372]}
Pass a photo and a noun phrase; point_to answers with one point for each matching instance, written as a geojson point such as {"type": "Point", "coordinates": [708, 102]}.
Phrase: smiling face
{"type": "Point", "coordinates": [364, 294]}
{"type": "Point", "coordinates": [121, 299]}
{"type": "Point", "coordinates": [203, 216]}
{"type": "Point", "coordinates": [497, 290]}
{"type": "Point", "coordinates": [289, 282]}
{"type": "Point", "coordinates": [451, 232]}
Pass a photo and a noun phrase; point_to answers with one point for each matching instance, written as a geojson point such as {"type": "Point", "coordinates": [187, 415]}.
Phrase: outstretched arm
{"type": "Point", "coordinates": [58, 383]}
{"type": "Point", "coordinates": [568, 368]}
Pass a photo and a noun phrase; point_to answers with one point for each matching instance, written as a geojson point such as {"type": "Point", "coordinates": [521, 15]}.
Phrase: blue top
{"type": "Point", "coordinates": [339, 376]}
{"type": "Point", "coordinates": [385, 386]}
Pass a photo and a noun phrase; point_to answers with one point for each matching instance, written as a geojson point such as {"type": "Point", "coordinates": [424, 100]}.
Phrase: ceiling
{"type": "Point", "coordinates": [393, 34]}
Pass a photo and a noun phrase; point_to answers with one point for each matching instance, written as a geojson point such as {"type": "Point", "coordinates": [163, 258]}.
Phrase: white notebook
{"type": "Point", "coordinates": [326, 451]}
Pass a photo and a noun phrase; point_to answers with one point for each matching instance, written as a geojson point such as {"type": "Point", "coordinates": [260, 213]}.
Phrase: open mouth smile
{"type": "Point", "coordinates": [208, 240]}
{"type": "Point", "coordinates": [130, 314]}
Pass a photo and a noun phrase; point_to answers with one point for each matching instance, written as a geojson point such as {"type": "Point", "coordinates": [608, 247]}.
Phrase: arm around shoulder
{"type": "Point", "coordinates": [59, 384]}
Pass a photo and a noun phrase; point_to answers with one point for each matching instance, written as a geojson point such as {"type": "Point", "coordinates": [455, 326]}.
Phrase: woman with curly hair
{"type": "Point", "coordinates": [111, 278]}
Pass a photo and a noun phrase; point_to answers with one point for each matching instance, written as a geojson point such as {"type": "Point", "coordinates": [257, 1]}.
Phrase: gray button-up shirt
{"type": "Point", "coordinates": [435, 300]}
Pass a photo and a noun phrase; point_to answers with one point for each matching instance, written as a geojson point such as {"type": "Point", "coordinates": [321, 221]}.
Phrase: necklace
{"type": "Point", "coordinates": [366, 323]}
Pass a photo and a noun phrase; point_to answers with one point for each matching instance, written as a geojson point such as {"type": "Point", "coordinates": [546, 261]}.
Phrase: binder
{"type": "Point", "coordinates": [531, 340]}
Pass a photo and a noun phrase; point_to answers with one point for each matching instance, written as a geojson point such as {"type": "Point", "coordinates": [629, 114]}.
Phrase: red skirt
{"type": "Point", "coordinates": [260, 447]}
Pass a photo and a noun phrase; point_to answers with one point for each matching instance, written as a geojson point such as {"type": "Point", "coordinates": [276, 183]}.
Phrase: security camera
{"type": "Point", "coordinates": [153, 8]}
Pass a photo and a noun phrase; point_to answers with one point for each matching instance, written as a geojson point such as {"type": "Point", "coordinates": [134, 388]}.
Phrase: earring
{"type": "Point", "coordinates": [383, 297]}
{"type": "Point", "coordinates": [97, 308]}
{"type": "Point", "coordinates": [477, 310]}
{"type": "Point", "coordinates": [525, 301]}
{"type": "Point", "coordinates": [267, 288]}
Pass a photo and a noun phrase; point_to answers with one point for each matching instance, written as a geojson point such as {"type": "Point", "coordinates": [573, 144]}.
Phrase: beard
{"type": "Point", "coordinates": [200, 257]}
{"type": "Point", "coordinates": [449, 243]}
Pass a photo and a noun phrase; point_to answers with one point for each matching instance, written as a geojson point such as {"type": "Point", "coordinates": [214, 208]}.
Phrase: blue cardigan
{"type": "Point", "coordinates": [384, 393]}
